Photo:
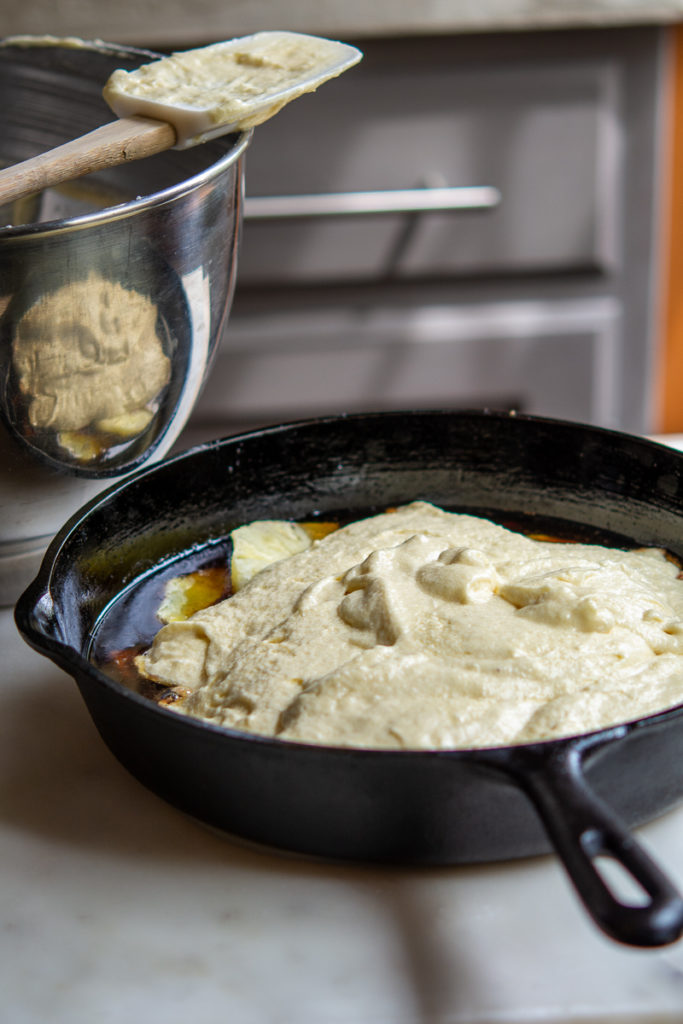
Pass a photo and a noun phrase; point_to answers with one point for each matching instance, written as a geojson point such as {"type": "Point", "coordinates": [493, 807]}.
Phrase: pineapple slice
{"type": "Point", "coordinates": [259, 544]}
{"type": "Point", "coordinates": [185, 595]}
{"type": "Point", "coordinates": [255, 546]}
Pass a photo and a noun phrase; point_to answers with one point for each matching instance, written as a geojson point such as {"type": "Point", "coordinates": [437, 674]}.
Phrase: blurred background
{"type": "Point", "coordinates": [484, 212]}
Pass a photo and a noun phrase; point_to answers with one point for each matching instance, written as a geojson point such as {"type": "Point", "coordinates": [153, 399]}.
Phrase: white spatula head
{"type": "Point", "coordinates": [185, 99]}
{"type": "Point", "coordinates": [227, 86]}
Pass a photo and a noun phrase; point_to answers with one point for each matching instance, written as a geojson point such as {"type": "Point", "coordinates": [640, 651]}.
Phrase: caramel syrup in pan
{"type": "Point", "coordinates": [130, 623]}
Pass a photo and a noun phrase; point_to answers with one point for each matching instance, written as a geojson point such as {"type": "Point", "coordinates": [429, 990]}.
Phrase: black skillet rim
{"type": "Point", "coordinates": [75, 662]}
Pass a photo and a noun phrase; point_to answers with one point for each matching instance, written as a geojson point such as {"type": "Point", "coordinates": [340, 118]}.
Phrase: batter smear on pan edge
{"type": "Point", "coordinates": [420, 629]}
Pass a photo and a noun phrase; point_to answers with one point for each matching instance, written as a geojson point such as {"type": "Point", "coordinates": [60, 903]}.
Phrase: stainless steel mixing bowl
{"type": "Point", "coordinates": [114, 290]}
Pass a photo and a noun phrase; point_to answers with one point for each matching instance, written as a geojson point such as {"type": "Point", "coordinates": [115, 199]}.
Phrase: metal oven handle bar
{"type": "Point", "coordinates": [408, 200]}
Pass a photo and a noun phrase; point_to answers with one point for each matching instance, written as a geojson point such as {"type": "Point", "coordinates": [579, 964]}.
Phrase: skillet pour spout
{"type": "Point", "coordinates": [579, 797]}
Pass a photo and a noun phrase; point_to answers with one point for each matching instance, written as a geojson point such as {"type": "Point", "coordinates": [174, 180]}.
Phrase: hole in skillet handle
{"type": "Point", "coordinates": [586, 835]}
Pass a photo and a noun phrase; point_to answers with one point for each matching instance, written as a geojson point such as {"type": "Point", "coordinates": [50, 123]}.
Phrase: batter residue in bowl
{"type": "Point", "coordinates": [420, 628]}
{"type": "Point", "coordinates": [90, 363]}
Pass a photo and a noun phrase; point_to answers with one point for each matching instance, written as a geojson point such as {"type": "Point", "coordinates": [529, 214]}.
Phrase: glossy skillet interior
{"type": "Point", "coordinates": [577, 796]}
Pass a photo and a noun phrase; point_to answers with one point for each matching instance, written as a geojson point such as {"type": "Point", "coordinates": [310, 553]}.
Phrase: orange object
{"type": "Point", "coordinates": [670, 402]}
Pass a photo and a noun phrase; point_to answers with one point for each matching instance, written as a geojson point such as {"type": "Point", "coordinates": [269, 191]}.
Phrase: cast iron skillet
{"type": "Point", "coordinates": [441, 807]}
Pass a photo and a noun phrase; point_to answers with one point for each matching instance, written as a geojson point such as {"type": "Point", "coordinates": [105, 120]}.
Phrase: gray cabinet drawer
{"type": "Point", "coordinates": [542, 133]}
{"type": "Point", "coordinates": [553, 358]}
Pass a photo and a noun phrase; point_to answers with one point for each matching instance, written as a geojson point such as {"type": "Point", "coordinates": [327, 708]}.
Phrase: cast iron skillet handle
{"type": "Point", "coordinates": [581, 829]}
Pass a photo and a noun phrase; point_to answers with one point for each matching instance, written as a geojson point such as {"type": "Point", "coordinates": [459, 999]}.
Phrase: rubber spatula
{"type": "Point", "coordinates": [185, 99]}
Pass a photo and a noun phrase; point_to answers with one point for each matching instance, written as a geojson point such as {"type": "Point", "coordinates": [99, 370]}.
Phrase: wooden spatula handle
{"type": "Point", "coordinates": [129, 138]}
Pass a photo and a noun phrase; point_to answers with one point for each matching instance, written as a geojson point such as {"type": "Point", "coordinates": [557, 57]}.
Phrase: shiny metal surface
{"type": "Point", "coordinates": [114, 291]}
{"type": "Point", "coordinates": [339, 204]}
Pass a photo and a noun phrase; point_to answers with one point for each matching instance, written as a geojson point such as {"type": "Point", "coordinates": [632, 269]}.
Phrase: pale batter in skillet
{"type": "Point", "coordinates": [421, 629]}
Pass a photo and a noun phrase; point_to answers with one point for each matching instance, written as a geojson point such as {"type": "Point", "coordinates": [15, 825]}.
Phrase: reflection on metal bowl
{"type": "Point", "coordinates": [114, 290]}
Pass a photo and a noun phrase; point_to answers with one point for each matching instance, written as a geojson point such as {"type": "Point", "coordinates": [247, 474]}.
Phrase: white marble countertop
{"type": "Point", "coordinates": [176, 22]}
{"type": "Point", "coordinates": [116, 908]}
